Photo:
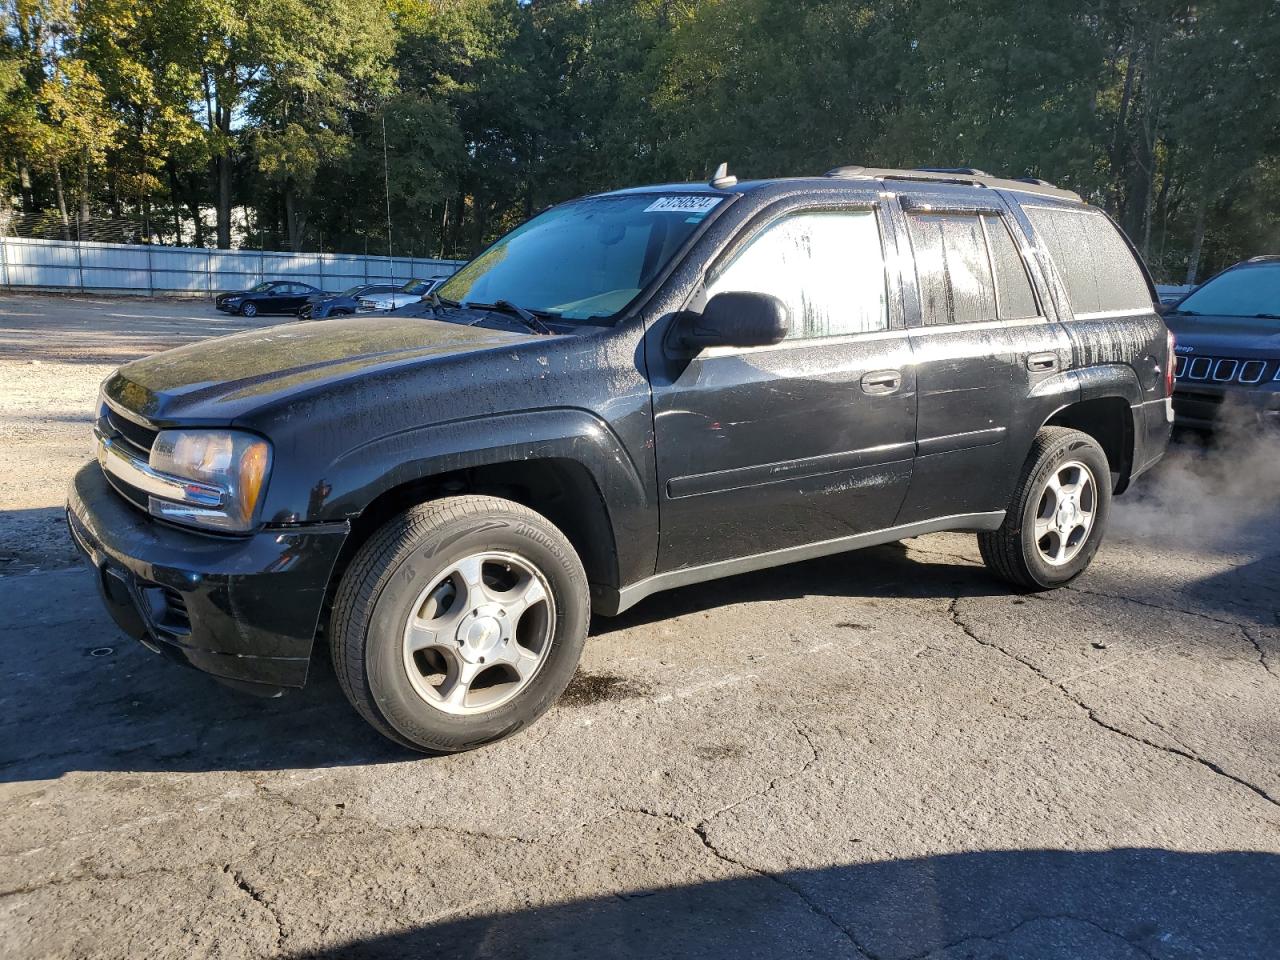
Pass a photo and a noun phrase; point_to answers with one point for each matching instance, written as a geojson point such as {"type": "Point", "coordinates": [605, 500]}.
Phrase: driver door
{"type": "Point", "coordinates": [805, 442]}
{"type": "Point", "coordinates": [269, 302]}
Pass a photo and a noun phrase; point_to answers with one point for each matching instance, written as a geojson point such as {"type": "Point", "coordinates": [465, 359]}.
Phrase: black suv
{"type": "Point", "coordinates": [1228, 332]}
{"type": "Point", "coordinates": [630, 392]}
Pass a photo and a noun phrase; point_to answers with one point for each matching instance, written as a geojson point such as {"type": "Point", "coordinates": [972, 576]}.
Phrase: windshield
{"type": "Point", "coordinates": [583, 259]}
{"type": "Point", "coordinates": [352, 291]}
{"type": "Point", "coordinates": [262, 287]}
{"type": "Point", "coordinates": [416, 287]}
{"type": "Point", "coordinates": [1250, 291]}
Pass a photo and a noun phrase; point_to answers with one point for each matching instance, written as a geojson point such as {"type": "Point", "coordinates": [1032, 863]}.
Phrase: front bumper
{"type": "Point", "coordinates": [244, 609]}
{"type": "Point", "coordinates": [1209, 407]}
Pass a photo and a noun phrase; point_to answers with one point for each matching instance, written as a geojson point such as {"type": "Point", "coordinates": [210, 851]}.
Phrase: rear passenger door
{"type": "Point", "coordinates": [984, 344]}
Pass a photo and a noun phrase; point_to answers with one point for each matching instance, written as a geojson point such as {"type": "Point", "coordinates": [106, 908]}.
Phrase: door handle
{"type": "Point", "coordinates": [1040, 362]}
{"type": "Point", "coordinates": [881, 382]}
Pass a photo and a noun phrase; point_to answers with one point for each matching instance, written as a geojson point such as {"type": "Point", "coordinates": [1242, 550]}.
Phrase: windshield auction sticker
{"type": "Point", "coordinates": [686, 203]}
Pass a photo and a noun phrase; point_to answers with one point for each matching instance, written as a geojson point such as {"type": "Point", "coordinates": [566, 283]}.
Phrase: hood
{"type": "Point", "coordinates": [1246, 337]}
{"type": "Point", "coordinates": [221, 379]}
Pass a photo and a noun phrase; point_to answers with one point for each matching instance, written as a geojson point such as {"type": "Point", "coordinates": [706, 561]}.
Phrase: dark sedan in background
{"type": "Point", "coordinates": [270, 296]}
{"type": "Point", "coordinates": [1228, 332]}
{"type": "Point", "coordinates": [324, 305]}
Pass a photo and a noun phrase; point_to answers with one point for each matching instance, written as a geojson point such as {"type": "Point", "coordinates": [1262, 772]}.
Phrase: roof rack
{"type": "Point", "coordinates": [964, 175]}
{"type": "Point", "coordinates": [1265, 258]}
{"type": "Point", "coordinates": [965, 171]}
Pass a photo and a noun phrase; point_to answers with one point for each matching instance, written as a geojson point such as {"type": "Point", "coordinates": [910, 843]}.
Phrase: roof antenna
{"type": "Point", "coordinates": [722, 179]}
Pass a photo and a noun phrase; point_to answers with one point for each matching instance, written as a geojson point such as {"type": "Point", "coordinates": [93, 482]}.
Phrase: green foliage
{"type": "Point", "coordinates": [297, 120]}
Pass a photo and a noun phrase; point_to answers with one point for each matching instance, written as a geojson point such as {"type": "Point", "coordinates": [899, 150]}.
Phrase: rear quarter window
{"type": "Point", "coordinates": [1093, 260]}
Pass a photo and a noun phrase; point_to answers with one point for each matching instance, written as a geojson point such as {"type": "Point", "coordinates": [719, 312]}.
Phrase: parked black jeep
{"type": "Point", "coordinates": [1228, 331]}
{"type": "Point", "coordinates": [630, 392]}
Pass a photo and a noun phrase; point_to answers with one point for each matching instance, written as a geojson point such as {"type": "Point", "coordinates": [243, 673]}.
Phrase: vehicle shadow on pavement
{"type": "Point", "coordinates": [888, 571]}
{"type": "Point", "coordinates": [1120, 904]}
{"type": "Point", "coordinates": [89, 698]}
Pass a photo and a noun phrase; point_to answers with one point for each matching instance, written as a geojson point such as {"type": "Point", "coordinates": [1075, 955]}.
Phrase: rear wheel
{"type": "Point", "coordinates": [460, 622]}
{"type": "Point", "coordinates": [1057, 517]}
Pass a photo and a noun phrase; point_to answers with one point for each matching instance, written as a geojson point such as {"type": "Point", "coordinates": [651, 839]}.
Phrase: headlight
{"type": "Point", "coordinates": [226, 462]}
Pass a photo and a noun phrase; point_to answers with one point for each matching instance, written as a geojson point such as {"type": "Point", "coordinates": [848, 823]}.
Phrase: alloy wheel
{"type": "Point", "coordinates": [1066, 512]}
{"type": "Point", "coordinates": [479, 633]}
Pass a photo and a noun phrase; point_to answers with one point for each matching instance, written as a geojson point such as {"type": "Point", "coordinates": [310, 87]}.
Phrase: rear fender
{"type": "Point", "coordinates": [1113, 381]}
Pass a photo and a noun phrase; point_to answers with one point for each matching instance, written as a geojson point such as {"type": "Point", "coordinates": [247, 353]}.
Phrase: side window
{"type": "Point", "coordinates": [1014, 298]}
{"type": "Point", "coordinates": [952, 267]}
{"type": "Point", "coordinates": [1093, 260]}
{"type": "Point", "coordinates": [826, 266]}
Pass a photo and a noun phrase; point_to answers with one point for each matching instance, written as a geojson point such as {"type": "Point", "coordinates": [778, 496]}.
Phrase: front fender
{"type": "Point", "coordinates": [362, 474]}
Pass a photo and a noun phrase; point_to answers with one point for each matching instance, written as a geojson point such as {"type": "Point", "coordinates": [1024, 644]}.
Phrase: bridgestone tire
{"type": "Point", "coordinates": [384, 580]}
{"type": "Point", "coordinates": [1011, 552]}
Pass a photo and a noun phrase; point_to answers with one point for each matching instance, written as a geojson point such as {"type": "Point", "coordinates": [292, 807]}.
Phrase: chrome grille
{"type": "Point", "coordinates": [1225, 370]}
{"type": "Point", "coordinates": [133, 433]}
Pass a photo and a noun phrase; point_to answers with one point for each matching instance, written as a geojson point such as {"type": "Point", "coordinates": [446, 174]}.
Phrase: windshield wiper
{"type": "Point", "coordinates": [1267, 316]}
{"type": "Point", "coordinates": [530, 319]}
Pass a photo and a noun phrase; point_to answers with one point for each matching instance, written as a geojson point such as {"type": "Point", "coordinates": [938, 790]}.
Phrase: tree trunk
{"type": "Point", "coordinates": [62, 202]}
{"type": "Point", "coordinates": [28, 197]}
{"type": "Point", "coordinates": [1197, 239]}
{"type": "Point", "coordinates": [1122, 117]}
{"type": "Point", "coordinates": [444, 227]}
{"type": "Point", "coordinates": [222, 165]}
{"type": "Point", "coordinates": [455, 227]}
{"type": "Point", "coordinates": [194, 206]}
{"type": "Point", "coordinates": [295, 218]}
{"type": "Point", "coordinates": [84, 193]}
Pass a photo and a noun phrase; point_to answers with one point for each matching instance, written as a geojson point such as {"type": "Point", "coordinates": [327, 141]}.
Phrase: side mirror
{"type": "Point", "coordinates": [737, 319]}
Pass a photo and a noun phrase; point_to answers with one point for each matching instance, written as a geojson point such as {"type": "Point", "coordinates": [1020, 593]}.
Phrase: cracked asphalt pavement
{"type": "Point", "coordinates": [882, 755]}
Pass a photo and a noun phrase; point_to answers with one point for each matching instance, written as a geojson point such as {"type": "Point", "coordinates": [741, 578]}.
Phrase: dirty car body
{"type": "Point", "coordinates": [663, 461]}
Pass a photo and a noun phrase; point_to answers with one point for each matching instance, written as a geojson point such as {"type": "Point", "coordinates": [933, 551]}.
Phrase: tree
{"type": "Point", "coordinates": [320, 64]}
{"type": "Point", "coordinates": [64, 118]}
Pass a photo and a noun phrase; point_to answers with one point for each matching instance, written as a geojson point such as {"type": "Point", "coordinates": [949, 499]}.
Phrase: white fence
{"type": "Point", "coordinates": [192, 271]}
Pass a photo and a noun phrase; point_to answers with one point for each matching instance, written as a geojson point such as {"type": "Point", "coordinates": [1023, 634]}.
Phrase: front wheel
{"type": "Point", "coordinates": [249, 310]}
{"type": "Point", "coordinates": [1058, 514]}
{"type": "Point", "coordinates": [459, 622]}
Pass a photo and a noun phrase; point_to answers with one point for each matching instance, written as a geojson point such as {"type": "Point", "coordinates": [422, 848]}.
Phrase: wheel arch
{"type": "Point", "coordinates": [1109, 421]}
{"type": "Point", "coordinates": [564, 464]}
